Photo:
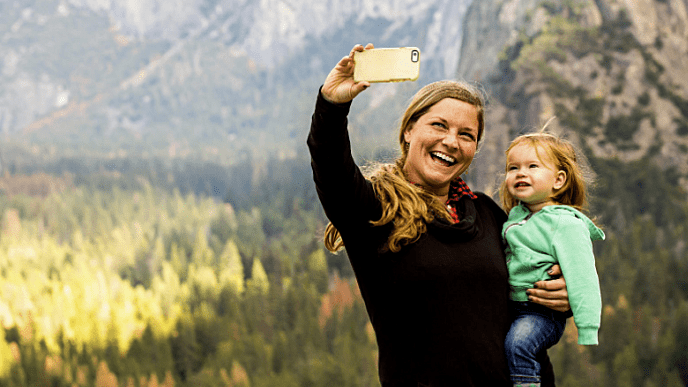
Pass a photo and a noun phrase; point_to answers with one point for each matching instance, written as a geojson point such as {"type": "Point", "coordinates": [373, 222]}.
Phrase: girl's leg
{"type": "Point", "coordinates": [530, 333]}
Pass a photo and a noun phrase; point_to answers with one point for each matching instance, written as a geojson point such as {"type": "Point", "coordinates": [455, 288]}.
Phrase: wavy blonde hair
{"type": "Point", "coordinates": [407, 206]}
{"type": "Point", "coordinates": [565, 158]}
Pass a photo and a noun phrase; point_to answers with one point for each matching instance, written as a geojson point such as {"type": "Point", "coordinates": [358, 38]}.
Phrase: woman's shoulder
{"type": "Point", "coordinates": [486, 199]}
{"type": "Point", "coordinates": [488, 203]}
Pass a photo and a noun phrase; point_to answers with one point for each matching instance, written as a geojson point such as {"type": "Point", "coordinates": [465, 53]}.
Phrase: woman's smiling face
{"type": "Point", "coordinates": [442, 143]}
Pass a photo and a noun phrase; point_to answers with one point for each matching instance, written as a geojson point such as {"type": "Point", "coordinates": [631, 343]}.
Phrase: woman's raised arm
{"type": "Point", "coordinates": [339, 86]}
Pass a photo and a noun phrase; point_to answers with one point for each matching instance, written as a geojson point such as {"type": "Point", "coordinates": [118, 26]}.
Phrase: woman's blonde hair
{"type": "Point", "coordinates": [407, 206]}
{"type": "Point", "coordinates": [564, 157]}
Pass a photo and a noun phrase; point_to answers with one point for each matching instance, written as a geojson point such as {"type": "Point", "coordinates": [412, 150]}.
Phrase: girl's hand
{"type": "Point", "coordinates": [339, 86]}
{"type": "Point", "coordinates": [552, 293]}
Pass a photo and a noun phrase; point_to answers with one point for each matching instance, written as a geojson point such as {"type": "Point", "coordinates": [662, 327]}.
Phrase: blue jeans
{"type": "Point", "coordinates": [534, 328]}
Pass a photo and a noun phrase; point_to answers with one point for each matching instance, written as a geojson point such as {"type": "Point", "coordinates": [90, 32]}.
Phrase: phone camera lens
{"type": "Point", "coordinates": [414, 56]}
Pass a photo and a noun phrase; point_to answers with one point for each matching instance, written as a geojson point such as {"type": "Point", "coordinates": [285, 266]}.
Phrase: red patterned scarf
{"type": "Point", "coordinates": [458, 189]}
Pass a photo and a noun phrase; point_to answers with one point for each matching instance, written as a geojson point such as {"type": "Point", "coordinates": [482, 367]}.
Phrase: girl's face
{"type": "Point", "coordinates": [531, 179]}
{"type": "Point", "coordinates": [442, 144]}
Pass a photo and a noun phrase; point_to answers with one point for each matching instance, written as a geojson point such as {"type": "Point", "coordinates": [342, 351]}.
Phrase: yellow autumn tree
{"type": "Point", "coordinates": [258, 284]}
{"type": "Point", "coordinates": [169, 380]}
{"type": "Point", "coordinates": [105, 378]}
{"type": "Point", "coordinates": [239, 376]}
{"type": "Point", "coordinates": [167, 288]}
{"type": "Point", "coordinates": [203, 283]}
{"type": "Point", "coordinates": [317, 269]}
{"type": "Point", "coordinates": [153, 381]}
{"type": "Point", "coordinates": [231, 268]}
{"type": "Point", "coordinates": [202, 254]}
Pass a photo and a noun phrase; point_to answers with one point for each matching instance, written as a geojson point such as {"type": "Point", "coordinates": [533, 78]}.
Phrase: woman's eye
{"type": "Point", "coordinates": [468, 135]}
{"type": "Point", "coordinates": [439, 125]}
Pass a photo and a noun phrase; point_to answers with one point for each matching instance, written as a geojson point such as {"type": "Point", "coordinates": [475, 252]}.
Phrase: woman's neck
{"type": "Point", "coordinates": [443, 198]}
{"type": "Point", "coordinates": [442, 195]}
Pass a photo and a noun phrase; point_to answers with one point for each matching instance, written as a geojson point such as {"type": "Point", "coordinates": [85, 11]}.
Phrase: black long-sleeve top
{"type": "Point", "coordinates": [438, 306]}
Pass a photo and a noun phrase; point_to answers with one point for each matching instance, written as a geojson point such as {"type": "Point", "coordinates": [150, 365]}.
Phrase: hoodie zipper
{"type": "Point", "coordinates": [520, 223]}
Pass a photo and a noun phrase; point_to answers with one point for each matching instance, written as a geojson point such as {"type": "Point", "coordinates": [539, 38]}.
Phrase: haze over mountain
{"type": "Point", "coordinates": [175, 77]}
{"type": "Point", "coordinates": [225, 79]}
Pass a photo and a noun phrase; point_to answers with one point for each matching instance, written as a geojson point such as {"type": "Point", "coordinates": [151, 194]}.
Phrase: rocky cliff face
{"type": "Point", "coordinates": [611, 71]}
{"type": "Point", "coordinates": [272, 30]}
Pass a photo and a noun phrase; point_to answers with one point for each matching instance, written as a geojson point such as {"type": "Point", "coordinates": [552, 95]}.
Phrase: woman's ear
{"type": "Point", "coordinates": [407, 135]}
{"type": "Point", "coordinates": [560, 180]}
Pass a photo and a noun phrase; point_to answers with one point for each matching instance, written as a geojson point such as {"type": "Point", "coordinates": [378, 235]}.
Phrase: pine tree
{"type": "Point", "coordinates": [6, 357]}
{"type": "Point", "coordinates": [185, 350]}
{"type": "Point", "coordinates": [680, 354]}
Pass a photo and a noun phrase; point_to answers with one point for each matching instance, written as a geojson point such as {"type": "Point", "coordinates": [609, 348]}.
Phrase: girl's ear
{"type": "Point", "coordinates": [560, 180]}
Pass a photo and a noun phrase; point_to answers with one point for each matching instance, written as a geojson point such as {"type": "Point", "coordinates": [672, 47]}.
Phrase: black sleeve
{"type": "Point", "coordinates": [346, 196]}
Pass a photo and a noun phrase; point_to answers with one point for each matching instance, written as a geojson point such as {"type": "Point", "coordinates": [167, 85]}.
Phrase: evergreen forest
{"type": "Point", "coordinates": [151, 275]}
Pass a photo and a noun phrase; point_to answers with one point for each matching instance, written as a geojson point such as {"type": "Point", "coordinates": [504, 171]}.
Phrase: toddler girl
{"type": "Point", "coordinates": [544, 192]}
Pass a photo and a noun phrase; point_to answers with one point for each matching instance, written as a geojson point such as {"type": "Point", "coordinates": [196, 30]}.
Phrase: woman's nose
{"type": "Point", "coordinates": [450, 141]}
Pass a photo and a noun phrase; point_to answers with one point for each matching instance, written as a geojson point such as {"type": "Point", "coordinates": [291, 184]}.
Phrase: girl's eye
{"type": "Point", "coordinates": [533, 165]}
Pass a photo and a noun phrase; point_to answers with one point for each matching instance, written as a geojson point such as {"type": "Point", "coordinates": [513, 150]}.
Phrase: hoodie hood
{"type": "Point", "coordinates": [596, 233]}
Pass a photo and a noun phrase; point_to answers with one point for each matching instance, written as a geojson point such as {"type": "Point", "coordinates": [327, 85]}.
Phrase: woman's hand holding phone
{"type": "Point", "coordinates": [339, 86]}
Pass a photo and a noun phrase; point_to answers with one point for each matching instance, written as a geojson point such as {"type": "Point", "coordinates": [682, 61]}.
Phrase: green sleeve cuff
{"type": "Point", "coordinates": [587, 336]}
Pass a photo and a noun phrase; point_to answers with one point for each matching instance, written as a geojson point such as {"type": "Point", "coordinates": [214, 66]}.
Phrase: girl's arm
{"type": "Point", "coordinates": [573, 249]}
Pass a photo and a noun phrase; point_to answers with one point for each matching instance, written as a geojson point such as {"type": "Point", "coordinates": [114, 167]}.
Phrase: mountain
{"type": "Point", "coordinates": [228, 81]}
{"type": "Point", "coordinates": [200, 78]}
{"type": "Point", "coordinates": [612, 74]}
{"type": "Point", "coordinates": [623, 61]}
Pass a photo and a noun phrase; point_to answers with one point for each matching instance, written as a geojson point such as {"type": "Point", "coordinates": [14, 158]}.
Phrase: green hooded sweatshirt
{"type": "Point", "coordinates": [561, 235]}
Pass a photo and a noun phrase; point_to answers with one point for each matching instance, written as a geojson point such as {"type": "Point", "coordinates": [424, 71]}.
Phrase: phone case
{"type": "Point", "coordinates": [387, 64]}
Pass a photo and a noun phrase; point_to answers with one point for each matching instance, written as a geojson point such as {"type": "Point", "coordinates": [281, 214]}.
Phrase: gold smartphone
{"type": "Point", "coordinates": [387, 64]}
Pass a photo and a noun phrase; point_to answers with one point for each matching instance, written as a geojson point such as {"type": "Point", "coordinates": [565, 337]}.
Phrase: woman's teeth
{"type": "Point", "coordinates": [447, 159]}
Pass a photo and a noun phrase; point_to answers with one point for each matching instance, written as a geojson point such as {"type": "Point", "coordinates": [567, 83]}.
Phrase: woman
{"type": "Point", "coordinates": [426, 251]}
